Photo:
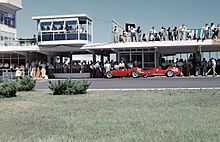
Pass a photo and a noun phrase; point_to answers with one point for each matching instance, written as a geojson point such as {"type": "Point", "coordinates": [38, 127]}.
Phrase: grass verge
{"type": "Point", "coordinates": [112, 116]}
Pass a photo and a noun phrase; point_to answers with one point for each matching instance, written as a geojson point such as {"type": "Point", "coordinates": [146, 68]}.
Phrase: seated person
{"type": "Point", "coordinates": [121, 65]}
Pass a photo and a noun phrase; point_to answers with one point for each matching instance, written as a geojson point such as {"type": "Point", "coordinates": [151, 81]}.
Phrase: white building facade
{"type": "Point", "coordinates": [8, 9]}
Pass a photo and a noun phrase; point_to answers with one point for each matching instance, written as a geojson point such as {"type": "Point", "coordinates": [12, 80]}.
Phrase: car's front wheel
{"type": "Point", "coordinates": [170, 73]}
{"type": "Point", "coordinates": [109, 74]}
{"type": "Point", "coordinates": [135, 74]}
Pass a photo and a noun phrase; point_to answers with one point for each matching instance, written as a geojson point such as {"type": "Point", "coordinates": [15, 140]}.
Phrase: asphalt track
{"type": "Point", "coordinates": [200, 82]}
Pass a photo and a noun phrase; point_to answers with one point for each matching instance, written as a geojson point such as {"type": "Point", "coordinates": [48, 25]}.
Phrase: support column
{"type": "Point", "coordinates": [61, 59]}
{"type": "Point", "coordinates": [49, 58]}
{"type": "Point", "coordinates": [155, 56]}
{"type": "Point", "coordinates": [117, 57]}
{"type": "Point", "coordinates": [142, 58]}
{"type": "Point", "coordinates": [108, 57]}
{"type": "Point", "coordinates": [94, 57]}
{"type": "Point", "coordinates": [71, 58]}
{"type": "Point", "coordinates": [102, 59]}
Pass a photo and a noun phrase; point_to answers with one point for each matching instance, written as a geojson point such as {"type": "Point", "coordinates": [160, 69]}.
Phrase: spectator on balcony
{"type": "Point", "coordinates": [133, 34]}
{"type": "Point", "coordinates": [125, 36]}
{"type": "Point", "coordinates": [144, 37]}
{"type": "Point", "coordinates": [182, 32]}
{"type": "Point", "coordinates": [212, 30]}
{"type": "Point", "coordinates": [175, 33]}
{"type": "Point", "coordinates": [162, 34]}
{"type": "Point", "coordinates": [170, 35]}
{"type": "Point", "coordinates": [139, 33]}
{"type": "Point", "coordinates": [218, 31]}
{"type": "Point", "coordinates": [152, 34]}
{"type": "Point", "coordinates": [61, 27]}
{"type": "Point", "coordinates": [48, 28]}
{"type": "Point", "coordinates": [115, 34]}
{"type": "Point", "coordinates": [205, 32]}
{"type": "Point", "coordinates": [121, 39]}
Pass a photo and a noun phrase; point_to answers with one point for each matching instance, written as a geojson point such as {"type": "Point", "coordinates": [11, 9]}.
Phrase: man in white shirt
{"type": "Point", "coordinates": [121, 65]}
{"type": "Point", "coordinates": [213, 66]}
{"type": "Point", "coordinates": [182, 32]}
{"type": "Point", "coordinates": [205, 32]}
{"type": "Point", "coordinates": [107, 67]}
{"type": "Point", "coordinates": [152, 33]}
{"type": "Point", "coordinates": [133, 34]}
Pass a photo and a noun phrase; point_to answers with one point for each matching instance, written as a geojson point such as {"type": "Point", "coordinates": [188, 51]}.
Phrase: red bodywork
{"type": "Point", "coordinates": [127, 72]}
{"type": "Point", "coordinates": [163, 72]}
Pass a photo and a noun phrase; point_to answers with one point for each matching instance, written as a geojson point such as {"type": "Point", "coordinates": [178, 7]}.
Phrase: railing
{"type": "Point", "coordinates": [20, 42]}
{"type": "Point", "coordinates": [56, 36]}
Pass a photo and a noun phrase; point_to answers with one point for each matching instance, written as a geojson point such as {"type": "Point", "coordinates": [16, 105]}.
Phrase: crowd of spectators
{"type": "Point", "coordinates": [132, 34]}
{"type": "Point", "coordinates": [193, 66]}
{"type": "Point", "coordinates": [43, 70]}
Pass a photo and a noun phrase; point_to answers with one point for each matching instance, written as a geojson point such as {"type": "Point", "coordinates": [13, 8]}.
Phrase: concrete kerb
{"type": "Point", "coordinates": [145, 89]}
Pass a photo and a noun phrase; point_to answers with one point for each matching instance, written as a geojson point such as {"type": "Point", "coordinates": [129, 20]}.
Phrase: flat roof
{"type": "Point", "coordinates": [61, 17]}
{"type": "Point", "coordinates": [150, 44]}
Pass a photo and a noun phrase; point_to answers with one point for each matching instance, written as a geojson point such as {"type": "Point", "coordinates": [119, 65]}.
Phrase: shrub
{"type": "Point", "coordinates": [8, 88]}
{"type": "Point", "coordinates": [69, 87]}
{"type": "Point", "coordinates": [26, 84]}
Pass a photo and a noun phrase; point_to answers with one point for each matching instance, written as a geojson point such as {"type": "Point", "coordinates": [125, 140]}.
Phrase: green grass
{"type": "Point", "coordinates": [112, 116]}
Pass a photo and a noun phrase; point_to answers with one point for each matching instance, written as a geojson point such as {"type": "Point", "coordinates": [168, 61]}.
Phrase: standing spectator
{"type": "Point", "coordinates": [175, 33]}
{"type": "Point", "coordinates": [125, 36]}
{"type": "Point", "coordinates": [212, 30]}
{"type": "Point", "coordinates": [180, 64]}
{"type": "Point", "coordinates": [182, 32]}
{"type": "Point", "coordinates": [204, 65]}
{"type": "Point", "coordinates": [144, 38]}
{"type": "Point", "coordinates": [115, 34]}
{"type": "Point", "coordinates": [170, 36]}
{"type": "Point", "coordinates": [218, 31]}
{"type": "Point", "coordinates": [18, 72]}
{"type": "Point", "coordinates": [133, 34]}
{"type": "Point", "coordinates": [152, 34]}
{"type": "Point", "coordinates": [205, 32]}
{"type": "Point", "coordinates": [107, 67]}
{"type": "Point", "coordinates": [162, 34]}
{"type": "Point", "coordinates": [121, 39]}
{"type": "Point", "coordinates": [212, 62]}
{"type": "Point", "coordinates": [139, 33]}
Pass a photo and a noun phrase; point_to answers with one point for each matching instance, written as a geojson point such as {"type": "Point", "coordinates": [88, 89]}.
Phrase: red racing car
{"type": "Point", "coordinates": [131, 72]}
{"type": "Point", "coordinates": [168, 71]}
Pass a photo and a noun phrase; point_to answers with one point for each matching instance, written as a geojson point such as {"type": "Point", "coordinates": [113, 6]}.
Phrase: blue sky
{"type": "Point", "coordinates": [145, 13]}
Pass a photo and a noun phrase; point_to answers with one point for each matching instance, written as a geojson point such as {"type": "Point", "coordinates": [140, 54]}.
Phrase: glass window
{"type": "Point", "coordinates": [71, 26]}
{"type": "Point", "coordinates": [45, 26]}
{"type": "Point", "coordinates": [58, 25]}
{"type": "Point", "coordinates": [205, 55]}
{"type": "Point", "coordinates": [82, 27]}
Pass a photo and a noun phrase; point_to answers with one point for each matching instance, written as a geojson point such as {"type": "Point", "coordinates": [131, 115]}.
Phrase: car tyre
{"type": "Point", "coordinates": [135, 74]}
{"type": "Point", "coordinates": [109, 74]}
{"type": "Point", "coordinates": [170, 73]}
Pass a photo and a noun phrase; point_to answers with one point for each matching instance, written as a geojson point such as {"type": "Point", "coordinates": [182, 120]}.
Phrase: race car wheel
{"type": "Point", "coordinates": [135, 74]}
{"type": "Point", "coordinates": [170, 73]}
{"type": "Point", "coordinates": [109, 74]}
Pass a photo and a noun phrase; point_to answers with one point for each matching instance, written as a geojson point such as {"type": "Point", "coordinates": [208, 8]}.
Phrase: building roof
{"type": "Point", "coordinates": [151, 44]}
{"type": "Point", "coordinates": [61, 17]}
{"type": "Point", "coordinates": [12, 4]}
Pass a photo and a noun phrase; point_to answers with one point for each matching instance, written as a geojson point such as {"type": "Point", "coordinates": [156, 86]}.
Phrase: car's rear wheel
{"type": "Point", "coordinates": [170, 73]}
{"type": "Point", "coordinates": [109, 74]}
{"type": "Point", "coordinates": [135, 74]}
